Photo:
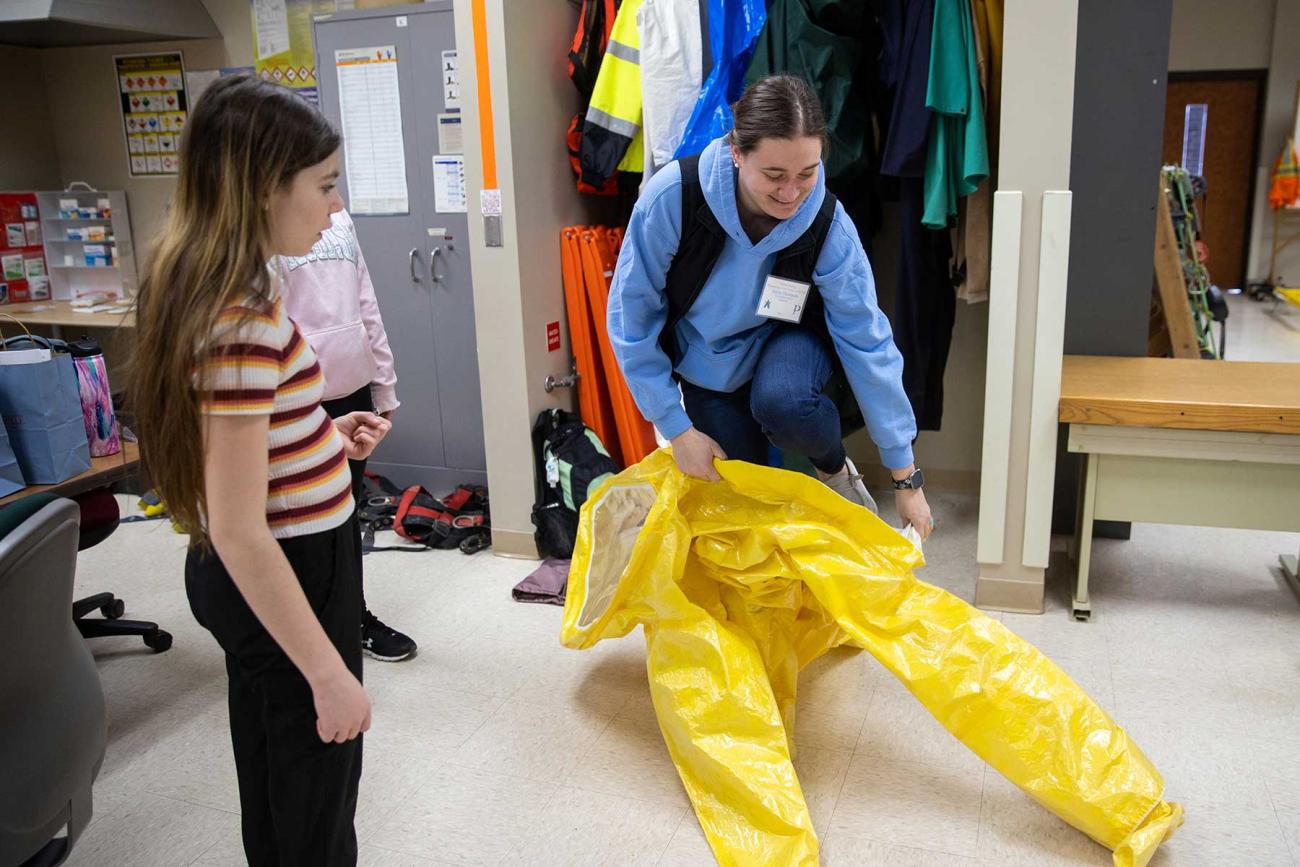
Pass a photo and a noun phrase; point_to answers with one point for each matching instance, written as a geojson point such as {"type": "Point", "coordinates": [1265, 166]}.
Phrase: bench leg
{"type": "Point", "coordinates": [1290, 570]}
{"type": "Point", "coordinates": [1082, 606]}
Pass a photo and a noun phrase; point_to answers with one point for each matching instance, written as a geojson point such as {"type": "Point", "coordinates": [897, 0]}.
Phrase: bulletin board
{"type": "Point", "coordinates": [155, 109]}
{"type": "Point", "coordinates": [22, 254]}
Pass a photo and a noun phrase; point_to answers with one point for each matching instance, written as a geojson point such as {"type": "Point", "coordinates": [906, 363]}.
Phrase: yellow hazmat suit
{"type": "Point", "coordinates": [739, 584]}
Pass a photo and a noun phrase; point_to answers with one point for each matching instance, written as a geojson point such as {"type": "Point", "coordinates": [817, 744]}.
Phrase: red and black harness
{"type": "Point", "coordinates": [459, 520]}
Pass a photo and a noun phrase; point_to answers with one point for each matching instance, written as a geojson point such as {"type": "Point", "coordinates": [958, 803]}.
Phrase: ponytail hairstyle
{"type": "Point", "coordinates": [776, 106]}
{"type": "Point", "coordinates": [245, 139]}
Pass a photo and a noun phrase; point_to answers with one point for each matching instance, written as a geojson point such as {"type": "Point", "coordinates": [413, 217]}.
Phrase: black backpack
{"type": "Point", "coordinates": [570, 462]}
{"type": "Point", "coordinates": [698, 250]}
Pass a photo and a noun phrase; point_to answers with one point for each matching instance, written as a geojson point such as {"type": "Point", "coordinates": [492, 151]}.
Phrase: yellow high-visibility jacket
{"type": "Point", "coordinates": [611, 135]}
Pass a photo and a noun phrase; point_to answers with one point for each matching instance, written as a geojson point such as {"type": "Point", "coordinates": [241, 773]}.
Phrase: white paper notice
{"type": "Point", "coordinates": [271, 21]}
{"type": "Point", "coordinates": [449, 185]}
{"type": "Point", "coordinates": [451, 81]}
{"type": "Point", "coordinates": [451, 136]}
{"type": "Point", "coordinates": [371, 109]}
{"type": "Point", "coordinates": [197, 81]}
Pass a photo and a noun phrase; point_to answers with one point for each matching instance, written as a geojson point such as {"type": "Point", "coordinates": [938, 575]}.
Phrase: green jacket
{"type": "Point", "coordinates": [823, 41]}
{"type": "Point", "coordinates": [958, 156]}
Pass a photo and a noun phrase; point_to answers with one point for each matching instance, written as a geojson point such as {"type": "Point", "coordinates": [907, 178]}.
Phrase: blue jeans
{"type": "Point", "coordinates": [782, 405]}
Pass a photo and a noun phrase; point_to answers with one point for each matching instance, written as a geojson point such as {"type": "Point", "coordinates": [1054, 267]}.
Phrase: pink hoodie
{"type": "Point", "coordinates": [328, 294]}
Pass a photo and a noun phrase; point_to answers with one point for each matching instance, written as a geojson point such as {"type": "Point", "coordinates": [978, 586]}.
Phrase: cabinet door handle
{"type": "Point", "coordinates": [433, 262]}
{"type": "Point", "coordinates": [410, 258]}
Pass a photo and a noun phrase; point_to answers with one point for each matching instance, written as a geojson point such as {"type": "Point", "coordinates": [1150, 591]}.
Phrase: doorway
{"type": "Point", "coordinates": [1212, 127]}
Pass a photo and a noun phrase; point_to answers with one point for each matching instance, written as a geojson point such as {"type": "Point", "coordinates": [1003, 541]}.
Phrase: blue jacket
{"type": "Point", "coordinates": [721, 337]}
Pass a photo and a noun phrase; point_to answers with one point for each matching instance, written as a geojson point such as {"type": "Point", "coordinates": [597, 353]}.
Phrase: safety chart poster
{"type": "Point", "coordinates": [371, 108]}
{"type": "Point", "coordinates": [282, 38]}
{"type": "Point", "coordinates": [155, 108]}
{"type": "Point", "coordinates": [449, 195]}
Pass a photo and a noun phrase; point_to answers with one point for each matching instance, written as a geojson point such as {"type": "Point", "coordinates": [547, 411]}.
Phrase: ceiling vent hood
{"type": "Point", "coordinates": [63, 23]}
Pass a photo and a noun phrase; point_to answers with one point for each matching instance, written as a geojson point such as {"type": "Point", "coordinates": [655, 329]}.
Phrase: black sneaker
{"type": "Point", "coordinates": [381, 642]}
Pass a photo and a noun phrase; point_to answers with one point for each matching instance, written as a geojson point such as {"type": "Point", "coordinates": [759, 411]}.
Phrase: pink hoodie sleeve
{"type": "Point", "coordinates": [383, 389]}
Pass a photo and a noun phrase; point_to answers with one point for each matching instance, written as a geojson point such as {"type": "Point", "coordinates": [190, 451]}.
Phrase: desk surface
{"type": "Point", "coordinates": [1189, 394]}
{"type": "Point", "coordinates": [102, 473]}
{"type": "Point", "coordinates": [62, 313]}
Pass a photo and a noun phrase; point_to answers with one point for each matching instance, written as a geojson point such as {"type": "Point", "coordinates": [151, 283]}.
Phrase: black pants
{"type": "Point", "coordinates": [297, 795]}
{"type": "Point", "coordinates": [925, 309]}
{"type": "Point", "coordinates": [782, 405]}
{"type": "Point", "coordinates": [357, 401]}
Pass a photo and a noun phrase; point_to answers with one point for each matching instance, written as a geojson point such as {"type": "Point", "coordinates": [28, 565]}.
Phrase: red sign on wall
{"type": "Point", "coordinates": [552, 336]}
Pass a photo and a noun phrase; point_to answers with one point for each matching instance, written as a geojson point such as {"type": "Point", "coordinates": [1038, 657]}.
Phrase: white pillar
{"type": "Point", "coordinates": [1031, 242]}
{"type": "Point", "coordinates": [518, 289]}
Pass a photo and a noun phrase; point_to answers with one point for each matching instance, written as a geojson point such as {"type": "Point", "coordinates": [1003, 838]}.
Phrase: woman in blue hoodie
{"type": "Point", "coordinates": [716, 348]}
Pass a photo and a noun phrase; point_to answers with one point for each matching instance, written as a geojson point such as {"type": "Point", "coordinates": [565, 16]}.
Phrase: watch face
{"type": "Point", "coordinates": [917, 479]}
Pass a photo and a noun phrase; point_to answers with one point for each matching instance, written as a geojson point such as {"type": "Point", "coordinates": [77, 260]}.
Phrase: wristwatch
{"type": "Point", "coordinates": [914, 482]}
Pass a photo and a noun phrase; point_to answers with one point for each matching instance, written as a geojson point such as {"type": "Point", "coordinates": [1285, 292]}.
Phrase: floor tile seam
{"type": "Point", "coordinates": [526, 835]}
{"type": "Point", "coordinates": [484, 694]}
{"type": "Point", "coordinates": [200, 859]}
{"type": "Point", "coordinates": [688, 809]}
{"type": "Point", "coordinates": [398, 800]}
{"type": "Point", "coordinates": [498, 698]}
{"type": "Point", "coordinates": [453, 761]}
{"type": "Point", "coordinates": [582, 754]}
{"type": "Point", "coordinates": [1125, 718]}
{"type": "Point", "coordinates": [677, 830]}
{"type": "Point", "coordinates": [390, 850]}
{"type": "Point", "coordinates": [1286, 841]}
{"type": "Point", "coordinates": [1277, 806]}
{"type": "Point", "coordinates": [1110, 668]}
{"type": "Point", "coordinates": [529, 685]}
{"type": "Point", "coordinates": [407, 852]}
{"type": "Point", "coordinates": [871, 704]}
{"type": "Point", "coordinates": [568, 782]}
{"type": "Point", "coordinates": [844, 781]}
{"type": "Point", "coordinates": [187, 801]}
{"type": "Point", "coordinates": [537, 811]}
{"type": "Point", "coordinates": [984, 787]}
{"type": "Point", "coordinates": [935, 765]}
{"type": "Point", "coordinates": [893, 844]}
{"type": "Point", "coordinates": [869, 838]}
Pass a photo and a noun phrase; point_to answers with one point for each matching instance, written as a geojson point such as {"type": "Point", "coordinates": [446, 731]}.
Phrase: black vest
{"type": "Point", "coordinates": [698, 250]}
{"type": "Point", "coordinates": [700, 246]}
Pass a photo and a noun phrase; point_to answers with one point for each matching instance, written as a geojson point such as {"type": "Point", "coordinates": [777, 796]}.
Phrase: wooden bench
{"type": "Point", "coordinates": [1182, 441]}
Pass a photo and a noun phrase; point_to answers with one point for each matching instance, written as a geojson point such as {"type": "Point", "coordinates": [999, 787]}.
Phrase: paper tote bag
{"type": "Point", "coordinates": [41, 408]}
{"type": "Point", "coordinates": [11, 475]}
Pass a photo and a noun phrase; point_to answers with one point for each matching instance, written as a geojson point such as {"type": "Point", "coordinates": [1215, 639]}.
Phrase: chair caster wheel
{"type": "Point", "coordinates": [113, 610]}
{"type": "Point", "coordinates": [159, 641]}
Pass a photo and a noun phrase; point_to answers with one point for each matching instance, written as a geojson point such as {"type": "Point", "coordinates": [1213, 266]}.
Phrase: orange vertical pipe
{"type": "Point", "coordinates": [487, 134]}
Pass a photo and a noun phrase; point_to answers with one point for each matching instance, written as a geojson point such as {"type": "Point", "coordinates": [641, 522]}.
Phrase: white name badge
{"type": "Point", "coordinates": [783, 299]}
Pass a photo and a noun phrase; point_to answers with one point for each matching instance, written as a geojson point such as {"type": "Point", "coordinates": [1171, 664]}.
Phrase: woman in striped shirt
{"type": "Point", "coordinates": [227, 397]}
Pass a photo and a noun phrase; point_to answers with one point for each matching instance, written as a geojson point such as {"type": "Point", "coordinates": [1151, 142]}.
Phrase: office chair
{"type": "Point", "coordinates": [53, 722]}
{"type": "Point", "coordinates": [99, 518]}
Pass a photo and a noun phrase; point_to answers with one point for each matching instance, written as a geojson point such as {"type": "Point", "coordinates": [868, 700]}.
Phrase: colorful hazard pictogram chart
{"type": "Point", "coordinates": [155, 107]}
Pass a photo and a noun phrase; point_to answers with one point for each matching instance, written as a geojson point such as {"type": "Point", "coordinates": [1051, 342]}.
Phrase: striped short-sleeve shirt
{"type": "Point", "coordinates": [259, 364]}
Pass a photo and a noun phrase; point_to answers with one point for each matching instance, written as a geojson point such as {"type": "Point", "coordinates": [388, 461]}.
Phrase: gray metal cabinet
{"type": "Point", "coordinates": [419, 261]}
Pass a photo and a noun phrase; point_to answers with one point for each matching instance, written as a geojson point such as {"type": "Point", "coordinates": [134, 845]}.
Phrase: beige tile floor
{"type": "Point", "coordinates": [1262, 330]}
{"type": "Point", "coordinates": [496, 746]}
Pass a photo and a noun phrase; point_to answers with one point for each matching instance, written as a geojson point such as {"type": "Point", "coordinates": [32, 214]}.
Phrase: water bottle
{"type": "Point", "coordinates": [96, 397]}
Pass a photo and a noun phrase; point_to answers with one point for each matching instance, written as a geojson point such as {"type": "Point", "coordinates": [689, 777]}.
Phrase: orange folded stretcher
{"type": "Point", "coordinates": [588, 256]}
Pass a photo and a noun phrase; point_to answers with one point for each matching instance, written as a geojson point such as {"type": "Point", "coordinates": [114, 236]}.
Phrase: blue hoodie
{"type": "Point", "coordinates": [721, 337]}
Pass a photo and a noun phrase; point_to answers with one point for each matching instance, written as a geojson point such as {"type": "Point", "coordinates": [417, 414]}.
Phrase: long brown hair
{"type": "Point", "coordinates": [776, 106]}
{"type": "Point", "coordinates": [245, 139]}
